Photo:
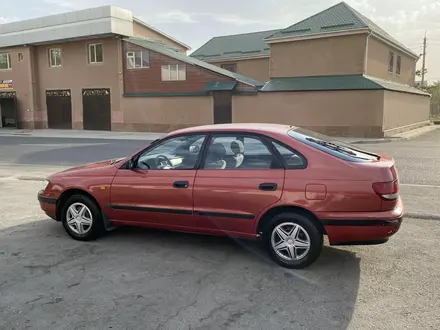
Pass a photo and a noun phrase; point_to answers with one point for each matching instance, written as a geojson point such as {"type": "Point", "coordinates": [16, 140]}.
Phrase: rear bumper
{"type": "Point", "coordinates": [48, 204]}
{"type": "Point", "coordinates": [366, 228]}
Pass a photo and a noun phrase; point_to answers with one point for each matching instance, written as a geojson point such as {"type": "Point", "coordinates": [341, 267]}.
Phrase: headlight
{"type": "Point", "coordinates": [45, 183]}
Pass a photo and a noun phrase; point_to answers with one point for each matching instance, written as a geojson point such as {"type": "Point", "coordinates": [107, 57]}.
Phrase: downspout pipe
{"type": "Point", "coordinates": [366, 53]}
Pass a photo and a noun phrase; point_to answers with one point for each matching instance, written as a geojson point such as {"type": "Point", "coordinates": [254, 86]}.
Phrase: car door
{"type": "Point", "coordinates": [239, 177]}
{"type": "Point", "coordinates": [157, 190]}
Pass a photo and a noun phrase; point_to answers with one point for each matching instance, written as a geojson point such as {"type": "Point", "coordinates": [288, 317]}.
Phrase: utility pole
{"type": "Point", "coordinates": [423, 61]}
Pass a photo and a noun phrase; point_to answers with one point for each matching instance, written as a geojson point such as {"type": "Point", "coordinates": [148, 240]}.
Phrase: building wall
{"type": "Point", "coordinates": [377, 63]}
{"type": "Point", "coordinates": [165, 114]}
{"type": "Point", "coordinates": [404, 111]}
{"type": "Point", "coordinates": [23, 83]}
{"type": "Point", "coordinates": [338, 113]}
{"type": "Point", "coordinates": [143, 31]}
{"type": "Point", "coordinates": [76, 73]}
{"type": "Point", "coordinates": [318, 57]}
{"type": "Point", "coordinates": [149, 80]}
{"type": "Point", "coordinates": [257, 69]}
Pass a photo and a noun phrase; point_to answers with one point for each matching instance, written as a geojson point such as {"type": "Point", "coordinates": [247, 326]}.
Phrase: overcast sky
{"type": "Point", "coordinates": [196, 21]}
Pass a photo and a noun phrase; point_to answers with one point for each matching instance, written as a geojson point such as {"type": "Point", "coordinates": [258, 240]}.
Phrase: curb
{"type": "Point", "coordinates": [422, 216]}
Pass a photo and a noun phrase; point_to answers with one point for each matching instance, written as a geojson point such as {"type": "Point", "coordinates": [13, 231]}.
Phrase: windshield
{"type": "Point", "coordinates": [332, 146]}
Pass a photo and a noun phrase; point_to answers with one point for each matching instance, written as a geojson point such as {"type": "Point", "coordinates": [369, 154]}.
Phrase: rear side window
{"type": "Point", "coordinates": [328, 145]}
{"type": "Point", "coordinates": [292, 159]}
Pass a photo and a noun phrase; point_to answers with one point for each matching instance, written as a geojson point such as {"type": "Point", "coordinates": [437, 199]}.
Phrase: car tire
{"type": "Point", "coordinates": [293, 240]}
{"type": "Point", "coordinates": [87, 224]}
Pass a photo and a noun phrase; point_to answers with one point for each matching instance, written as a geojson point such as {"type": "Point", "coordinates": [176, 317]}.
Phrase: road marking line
{"type": "Point", "coordinates": [419, 185]}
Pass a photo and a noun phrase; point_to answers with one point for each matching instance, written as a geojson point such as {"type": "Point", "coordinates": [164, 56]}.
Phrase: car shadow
{"type": "Point", "coordinates": [137, 278]}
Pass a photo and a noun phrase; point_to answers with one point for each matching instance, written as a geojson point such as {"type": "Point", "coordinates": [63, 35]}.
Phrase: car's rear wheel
{"type": "Point", "coordinates": [82, 218]}
{"type": "Point", "coordinates": [293, 240]}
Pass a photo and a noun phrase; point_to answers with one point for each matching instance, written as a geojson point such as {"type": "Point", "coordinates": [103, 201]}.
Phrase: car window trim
{"type": "Point", "coordinates": [263, 138]}
{"type": "Point", "coordinates": [157, 142]}
{"type": "Point", "coordinates": [293, 150]}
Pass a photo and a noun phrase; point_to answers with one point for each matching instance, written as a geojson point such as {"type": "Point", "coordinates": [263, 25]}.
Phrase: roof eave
{"type": "Point", "coordinates": [395, 45]}
{"type": "Point", "coordinates": [317, 35]}
{"type": "Point", "coordinates": [236, 58]}
{"type": "Point", "coordinates": [137, 20]}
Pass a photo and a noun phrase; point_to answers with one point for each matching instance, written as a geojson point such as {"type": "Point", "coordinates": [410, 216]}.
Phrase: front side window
{"type": "Point", "coordinates": [238, 152]}
{"type": "Point", "coordinates": [95, 53]}
{"type": "Point", "coordinates": [173, 72]}
{"type": "Point", "coordinates": [398, 64]}
{"type": "Point", "coordinates": [332, 147]}
{"type": "Point", "coordinates": [139, 59]}
{"type": "Point", "coordinates": [179, 153]}
{"type": "Point", "coordinates": [5, 61]}
{"type": "Point", "coordinates": [390, 62]}
{"type": "Point", "coordinates": [55, 57]}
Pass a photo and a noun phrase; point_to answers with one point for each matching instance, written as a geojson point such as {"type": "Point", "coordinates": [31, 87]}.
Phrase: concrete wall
{"type": "Point", "coordinates": [140, 30]}
{"type": "Point", "coordinates": [257, 69]}
{"type": "Point", "coordinates": [377, 63]}
{"type": "Point", "coordinates": [339, 113]}
{"type": "Point", "coordinates": [315, 57]}
{"type": "Point", "coordinates": [76, 73]}
{"type": "Point", "coordinates": [164, 114]}
{"type": "Point", "coordinates": [404, 111]}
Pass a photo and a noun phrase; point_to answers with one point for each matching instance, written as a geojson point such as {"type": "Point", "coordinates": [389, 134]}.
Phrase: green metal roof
{"type": "Point", "coordinates": [233, 46]}
{"type": "Point", "coordinates": [162, 48]}
{"type": "Point", "coordinates": [220, 86]}
{"type": "Point", "coordinates": [336, 83]}
{"type": "Point", "coordinates": [340, 17]}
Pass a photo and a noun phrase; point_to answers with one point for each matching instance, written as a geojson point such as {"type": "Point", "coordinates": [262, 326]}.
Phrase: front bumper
{"type": "Point", "coordinates": [48, 204]}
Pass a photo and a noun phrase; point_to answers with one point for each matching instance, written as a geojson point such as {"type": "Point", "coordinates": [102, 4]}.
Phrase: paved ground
{"type": "Point", "coordinates": [144, 279]}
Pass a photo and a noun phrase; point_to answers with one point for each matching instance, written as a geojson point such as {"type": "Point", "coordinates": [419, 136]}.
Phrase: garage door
{"type": "Point", "coordinates": [97, 109]}
{"type": "Point", "coordinates": [59, 109]}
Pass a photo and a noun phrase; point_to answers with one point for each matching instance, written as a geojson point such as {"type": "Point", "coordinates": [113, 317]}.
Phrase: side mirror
{"type": "Point", "coordinates": [194, 149]}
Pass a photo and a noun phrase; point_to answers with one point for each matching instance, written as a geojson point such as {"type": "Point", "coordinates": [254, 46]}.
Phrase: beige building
{"type": "Point", "coordinates": [335, 72]}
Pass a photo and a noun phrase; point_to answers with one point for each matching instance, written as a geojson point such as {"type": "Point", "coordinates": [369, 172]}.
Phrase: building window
{"type": "Point", "coordinates": [230, 67]}
{"type": "Point", "coordinates": [95, 53]}
{"type": "Point", "coordinates": [5, 61]}
{"type": "Point", "coordinates": [54, 57]}
{"type": "Point", "coordinates": [173, 72]}
{"type": "Point", "coordinates": [390, 62]}
{"type": "Point", "coordinates": [138, 59]}
{"type": "Point", "coordinates": [20, 57]}
{"type": "Point", "coordinates": [398, 64]}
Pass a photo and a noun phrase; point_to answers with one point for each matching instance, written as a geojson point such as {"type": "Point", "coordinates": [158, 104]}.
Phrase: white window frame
{"type": "Point", "coordinates": [132, 55]}
{"type": "Point", "coordinates": [95, 60]}
{"type": "Point", "coordinates": [168, 68]}
{"type": "Point", "coordinates": [8, 61]}
{"type": "Point", "coordinates": [55, 65]}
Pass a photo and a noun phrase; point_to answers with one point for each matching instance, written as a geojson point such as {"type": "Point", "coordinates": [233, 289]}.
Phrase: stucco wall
{"type": "Point", "coordinates": [143, 31]}
{"type": "Point", "coordinates": [339, 113]}
{"type": "Point", "coordinates": [163, 114]}
{"type": "Point", "coordinates": [316, 57]}
{"type": "Point", "coordinates": [257, 69]}
{"type": "Point", "coordinates": [377, 63]}
{"type": "Point", "coordinates": [404, 111]}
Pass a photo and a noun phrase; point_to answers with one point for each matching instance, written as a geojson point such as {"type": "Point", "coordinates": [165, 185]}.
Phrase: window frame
{"type": "Point", "coordinates": [158, 142]}
{"type": "Point", "coordinates": [89, 46]}
{"type": "Point", "coordinates": [134, 57]}
{"type": "Point", "coordinates": [50, 58]}
{"type": "Point", "coordinates": [169, 72]}
{"type": "Point", "coordinates": [8, 61]}
{"type": "Point", "coordinates": [390, 57]}
{"type": "Point", "coordinates": [398, 65]}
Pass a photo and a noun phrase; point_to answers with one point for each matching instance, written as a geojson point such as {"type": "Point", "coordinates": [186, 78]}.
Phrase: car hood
{"type": "Point", "coordinates": [96, 168]}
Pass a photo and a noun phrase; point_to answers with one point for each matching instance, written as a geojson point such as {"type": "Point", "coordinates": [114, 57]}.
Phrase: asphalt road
{"type": "Point", "coordinates": [146, 279]}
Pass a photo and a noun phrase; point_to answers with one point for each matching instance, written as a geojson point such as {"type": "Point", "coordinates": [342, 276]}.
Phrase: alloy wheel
{"type": "Point", "coordinates": [290, 241]}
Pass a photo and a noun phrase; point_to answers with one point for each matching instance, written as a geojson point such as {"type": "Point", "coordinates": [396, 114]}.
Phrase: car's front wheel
{"type": "Point", "coordinates": [82, 218]}
{"type": "Point", "coordinates": [293, 240]}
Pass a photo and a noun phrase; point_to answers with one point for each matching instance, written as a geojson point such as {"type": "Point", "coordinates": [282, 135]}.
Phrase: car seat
{"type": "Point", "coordinates": [215, 158]}
{"type": "Point", "coordinates": [237, 148]}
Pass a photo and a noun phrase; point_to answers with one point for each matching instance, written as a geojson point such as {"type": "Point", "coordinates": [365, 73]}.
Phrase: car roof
{"type": "Point", "coordinates": [243, 127]}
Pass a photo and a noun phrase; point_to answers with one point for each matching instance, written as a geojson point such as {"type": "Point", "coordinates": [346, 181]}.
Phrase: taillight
{"type": "Point", "coordinates": [387, 190]}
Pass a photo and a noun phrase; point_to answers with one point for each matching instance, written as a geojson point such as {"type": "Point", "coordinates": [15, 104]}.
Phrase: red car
{"type": "Point", "coordinates": [282, 184]}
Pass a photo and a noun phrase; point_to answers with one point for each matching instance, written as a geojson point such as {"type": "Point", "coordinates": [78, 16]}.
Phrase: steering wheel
{"type": "Point", "coordinates": [162, 161]}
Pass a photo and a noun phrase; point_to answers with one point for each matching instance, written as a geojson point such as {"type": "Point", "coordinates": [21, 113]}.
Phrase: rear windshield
{"type": "Point", "coordinates": [331, 146]}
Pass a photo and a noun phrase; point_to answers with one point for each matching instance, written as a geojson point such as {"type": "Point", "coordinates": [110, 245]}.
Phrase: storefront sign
{"type": "Point", "coordinates": [5, 84]}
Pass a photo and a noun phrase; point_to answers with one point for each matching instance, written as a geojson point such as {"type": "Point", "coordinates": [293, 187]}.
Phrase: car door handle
{"type": "Point", "coordinates": [181, 184]}
{"type": "Point", "coordinates": [268, 186]}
